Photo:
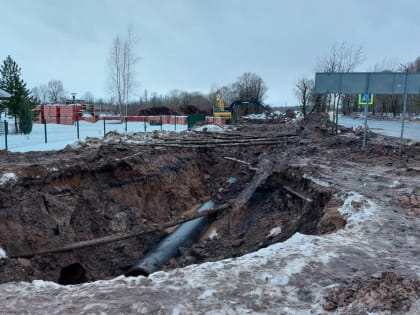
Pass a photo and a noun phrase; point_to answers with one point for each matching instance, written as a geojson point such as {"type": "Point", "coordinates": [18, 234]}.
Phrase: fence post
{"type": "Point", "coordinates": [144, 122]}
{"type": "Point", "coordinates": [126, 118]}
{"type": "Point", "coordinates": [160, 122]}
{"type": "Point", "coordinates": [175, 122]}
{"type": "Point", "coordinates": [6, 131]}
{"type": "Point", "coordinates": [77, 126]}
{"type": "Point", "coordinates": [45, 131]}
{"type": "Point", "coordinates": [104, 126]}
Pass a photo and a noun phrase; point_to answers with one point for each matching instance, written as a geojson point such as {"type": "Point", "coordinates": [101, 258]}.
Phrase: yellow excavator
{"type": "Point", "coordinates": [219, 108]}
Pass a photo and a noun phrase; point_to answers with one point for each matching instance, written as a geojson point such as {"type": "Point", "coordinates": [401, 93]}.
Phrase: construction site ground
{"type": "Point", "coordinates": [313, 223]}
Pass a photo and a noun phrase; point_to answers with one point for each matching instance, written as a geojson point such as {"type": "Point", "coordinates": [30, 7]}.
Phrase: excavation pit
{"type": "Point", "coordinates": [89, 194]}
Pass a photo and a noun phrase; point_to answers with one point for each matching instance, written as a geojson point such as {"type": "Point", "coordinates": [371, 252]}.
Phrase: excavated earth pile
{"type": "Point", "coordinates": [276, 182]}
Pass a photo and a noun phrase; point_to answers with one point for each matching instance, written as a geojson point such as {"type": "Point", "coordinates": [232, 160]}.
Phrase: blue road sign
{"type": "Point", "coordinates": [365, 98]}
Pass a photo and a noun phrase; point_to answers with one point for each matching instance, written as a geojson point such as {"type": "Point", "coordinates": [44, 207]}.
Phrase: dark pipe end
{"type": "Point", "coordinates": [72, 274]}
{"type": "Point", "coordinates": [136, 271]}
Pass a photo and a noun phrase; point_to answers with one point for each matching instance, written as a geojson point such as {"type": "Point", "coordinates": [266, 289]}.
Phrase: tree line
{"type": "Point", "coordinates": [248, 86]}
{"type": "Point", "coordinates": [122, 83]}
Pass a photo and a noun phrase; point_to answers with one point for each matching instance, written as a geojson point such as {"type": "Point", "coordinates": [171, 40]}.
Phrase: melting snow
{"type": "Point", "coordinates": [359, 214]}
{"type": "Point", "coordinates": [8, 178]}
{"type": "Point", "coordinates": [209, 128]}
{"type": "Point", "coordinates": [395, 184]}
{"type": "Point", "coordinates": [2, 253]}
{"type": "Point", "coordinates": [213, 234]}
{"type": "Point", "coordinates": [317, 181]}
{"type": "Point", "coordinates": [274, 231]}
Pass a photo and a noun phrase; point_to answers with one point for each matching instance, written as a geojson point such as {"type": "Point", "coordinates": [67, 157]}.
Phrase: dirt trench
{"type": "Point", "coordinates": [76, 195]}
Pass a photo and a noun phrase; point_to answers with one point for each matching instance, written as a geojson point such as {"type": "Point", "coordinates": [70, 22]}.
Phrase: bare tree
{"type": "Point", "coordinates": [413, 100]}
{"type": "Point", "coordinates": [251, 86]}
{"type": "Point", "coordinates": [115, 73]}
{"type": "Point", "coordinates": [145, 98]}
{"type": "Point", "coordinates": [228, 93]}
{"type": "Point", "coordinates": [341, 58]}
{"type": "Point", "coordinates": [304, 90]}
{"type": "Point", "coordinates": [88, 97]}
{"type": "Point", "coordinates": [55, 91]}
{"type": "Point", "coordinates": [40, 93]}
{"type": "Point", "coordinates": [43, 91]}
{"type": "Point", "coordinates": [121, 69]}
{"type": "Point", "coordinates": [386, 103]}
{"type": "Point", "coordinates": [413, 66]}
{"type": "Point", "coordinates": [36, 94]}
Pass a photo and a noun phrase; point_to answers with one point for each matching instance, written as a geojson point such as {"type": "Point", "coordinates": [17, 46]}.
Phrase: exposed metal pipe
{"type": "Point", "coordinates": [183, 236]}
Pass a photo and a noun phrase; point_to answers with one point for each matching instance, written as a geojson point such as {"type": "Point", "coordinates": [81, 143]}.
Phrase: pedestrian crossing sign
{"type": "Point", "coordinates": [365, 99]}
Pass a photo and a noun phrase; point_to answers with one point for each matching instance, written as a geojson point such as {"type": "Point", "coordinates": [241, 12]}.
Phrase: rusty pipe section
{"type": "Point", "coordinates": [185, 235]}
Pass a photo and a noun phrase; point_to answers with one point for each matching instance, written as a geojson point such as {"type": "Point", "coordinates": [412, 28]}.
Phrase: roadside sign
{"type": "Point", "coordinates": [391, 83]}
{"type": "Point", "coordinates": [365, 99]}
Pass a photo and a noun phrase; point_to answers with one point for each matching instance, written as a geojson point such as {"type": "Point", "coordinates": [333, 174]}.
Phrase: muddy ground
{"type": "Point", "coordinates": [101, 188]}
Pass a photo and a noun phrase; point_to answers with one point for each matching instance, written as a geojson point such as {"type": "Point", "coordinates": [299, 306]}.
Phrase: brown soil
{"type": "Point", "coordinates": [158, 110]}
{"type": "Point", "coordinates": [362, 292]}
{"type": "Point", "coordinates": [104, 188]}
{"type": "Point", "coordinates": [162, 110]}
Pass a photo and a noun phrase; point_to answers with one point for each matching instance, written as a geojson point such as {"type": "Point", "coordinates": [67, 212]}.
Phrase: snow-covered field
{"type": "Point", "coordinates": [58, 136]}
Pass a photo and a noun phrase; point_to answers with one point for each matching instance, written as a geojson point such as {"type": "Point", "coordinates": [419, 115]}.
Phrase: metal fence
{"type": "Point", "coordinates": [44, 135]}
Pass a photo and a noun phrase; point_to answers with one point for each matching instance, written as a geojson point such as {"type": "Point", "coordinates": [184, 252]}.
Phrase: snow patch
{"type": "Point", "coordinates": [317, 181]}
{"type": "Point", "coordinates": [207, 294]}
{"type": "Point", "coordinates": [8, 178]}
{"type": "Point", "coordinates": [395, 184]}
{"type": "Point", "coordinates": [2, 253]}
{"type": "Point", "coordinates": [256, 116]}
{"type": "Point", "coordinates": [41, 284]}
{"type": "Point", "coordinates": [209, 128]}
{"type": "Point", "coordinates": [274, 231]}
{"type": "Point", "coordinates": [213, 234]}
{"type": "Point", "coordinates": [356, 209]}
{"type": "Point", "coordinates": [276, 114]}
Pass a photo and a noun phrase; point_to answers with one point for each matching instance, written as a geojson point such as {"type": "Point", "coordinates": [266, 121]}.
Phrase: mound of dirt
{"type": "Point", "coordinates": [155, 111]}
{"type": "Point", "coordinates": [192, 110]}
{"type": "Point", "coordinates": [379, 292]}
{"type": "Point", "coordinates": [162, 110]}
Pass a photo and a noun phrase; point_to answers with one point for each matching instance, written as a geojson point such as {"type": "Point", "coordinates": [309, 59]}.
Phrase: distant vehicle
{"type": "Point", "coordinates": [237, 108]}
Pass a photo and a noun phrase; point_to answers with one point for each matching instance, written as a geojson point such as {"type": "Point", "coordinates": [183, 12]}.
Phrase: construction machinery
{"type": "Point", "coordinates": [237, 109]}
{"type": "Point", "coordinates": [219, 109]}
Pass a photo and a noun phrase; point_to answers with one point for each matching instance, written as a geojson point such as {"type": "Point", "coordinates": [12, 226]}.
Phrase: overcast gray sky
{"type": "Point", "coordinates": [196, 45]}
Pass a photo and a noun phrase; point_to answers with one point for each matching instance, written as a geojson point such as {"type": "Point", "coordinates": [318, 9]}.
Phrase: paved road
{"type": "Point", "coordinates": [385, 127]}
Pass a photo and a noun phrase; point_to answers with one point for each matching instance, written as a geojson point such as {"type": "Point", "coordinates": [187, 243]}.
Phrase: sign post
{"type": "Point", "coordinates": [404, 111]}
{"type": "Point", "coordinates": [383, 83]}
{"type": "Point", "coordinates": [365, 99]}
